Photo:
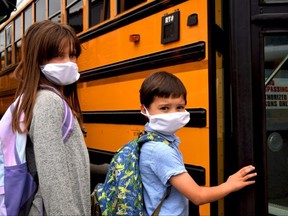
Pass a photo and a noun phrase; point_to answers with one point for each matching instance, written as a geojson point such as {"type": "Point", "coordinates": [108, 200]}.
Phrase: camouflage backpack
{"type": "Point", "coordinates": [122, 191]}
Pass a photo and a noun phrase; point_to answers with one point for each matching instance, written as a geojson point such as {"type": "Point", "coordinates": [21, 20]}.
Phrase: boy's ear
{"type": "Point", "coordinates": [142, 109]}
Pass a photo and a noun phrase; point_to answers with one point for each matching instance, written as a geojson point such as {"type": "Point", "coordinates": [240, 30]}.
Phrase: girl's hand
{"type": "Point", "coordinates": [242, 178]}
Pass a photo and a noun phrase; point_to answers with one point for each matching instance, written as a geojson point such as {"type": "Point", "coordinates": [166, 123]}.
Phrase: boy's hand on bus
{"type": "Point", "coordinates": [242, 178]}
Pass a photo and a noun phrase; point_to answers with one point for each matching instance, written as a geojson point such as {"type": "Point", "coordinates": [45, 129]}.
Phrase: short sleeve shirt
{"type": "Point", "coordinates": [158, 163]}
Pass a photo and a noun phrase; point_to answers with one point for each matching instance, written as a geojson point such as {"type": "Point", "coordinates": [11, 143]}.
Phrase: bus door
{"type": "Point", "coordinates": [276, 95]}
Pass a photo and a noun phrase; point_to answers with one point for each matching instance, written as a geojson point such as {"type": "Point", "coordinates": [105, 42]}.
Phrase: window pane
{"type": "Point", "coordinates": [2, 41]}
{"type": "Point", "coordinates": [99, 11]}
{"type": "Point", "coordinates": [40, 10]}
{"type": "Point", "coordinates": [2, 65]}
{"type": "Point", "coordinates": [18, 51]}
{"type": "Point", "coordinates": [68, 2]}
{"type": "Point", "coordinates": [123, 5]}
{"type": "Point", "coordinates": [75, 16]}
{"type": "Point", "coordinates": [54, 7]}
{"type": "Point", "coordinates": [18, 28]}
{"type": "Point", "coordinates": [8, 56]}
{"type": "Point", "coordinates": [27, 18]}
{"type": "Point", "coordinates": [56, 18]}
{"type": "Point", "coordinates": [8, 35]}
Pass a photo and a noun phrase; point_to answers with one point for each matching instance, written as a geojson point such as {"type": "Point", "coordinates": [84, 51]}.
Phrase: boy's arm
{"type": "Point", "coordinates": [185, 184]}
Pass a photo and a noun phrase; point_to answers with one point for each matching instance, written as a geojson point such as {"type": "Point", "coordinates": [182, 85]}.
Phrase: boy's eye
{"type": "Point", "coordinates": [181, 107]}
{"type": "Point", "coordinates": [164, 108]}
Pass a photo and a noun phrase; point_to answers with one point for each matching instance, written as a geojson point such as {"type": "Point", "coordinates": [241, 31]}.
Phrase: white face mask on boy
{"type": "Point", "coordinates": [61, 73]}
{"type": "Point", "coordinates": [168, 123]}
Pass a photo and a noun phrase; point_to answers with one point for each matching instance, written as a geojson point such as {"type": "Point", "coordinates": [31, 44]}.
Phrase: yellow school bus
{"type": "Point", "coordinates": [222, 50]}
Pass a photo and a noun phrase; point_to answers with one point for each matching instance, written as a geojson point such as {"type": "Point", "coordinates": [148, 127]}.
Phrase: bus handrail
{"type": "Point", "coordinates": [267, 81]}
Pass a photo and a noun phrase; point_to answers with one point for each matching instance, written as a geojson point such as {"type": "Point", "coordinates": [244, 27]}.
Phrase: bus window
{"type": "Point", "coordinates": [75, 15]}
{"type": "Point", "coordinates": [2, 50]}
{"type": "Point", "coordinates": [17, 36]}
{"type": "Point", "coordinates": [40, 10]}
{"type": "Point", "coordinates": [68, 2]}
{"type": "Point", "coordinates": [8, 44]}
{"type": "Point", "coordinates": [54, 10]}
{"type": "Point", "coordinates": [99, 11]}
{"type": "Point", "coordinates": [276, 83]}
{"type": "Point", "coordinates": [123, 5]}
{"type": "Point", "coordinates": [27, 18]}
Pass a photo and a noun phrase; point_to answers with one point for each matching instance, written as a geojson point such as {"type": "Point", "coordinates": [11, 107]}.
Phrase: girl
{"type": "Point", "coordinates": [163, 101]}
{"type": "Point", "coordinates": [48, 62]}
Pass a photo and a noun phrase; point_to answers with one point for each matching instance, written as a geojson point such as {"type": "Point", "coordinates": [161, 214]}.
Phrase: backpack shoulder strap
{"type": "Point", "coordinates": [157, 210]}
{"type": "Point", "coordinates": [152, 136]}
{"type": "Point", "coordinates": [68, 121]}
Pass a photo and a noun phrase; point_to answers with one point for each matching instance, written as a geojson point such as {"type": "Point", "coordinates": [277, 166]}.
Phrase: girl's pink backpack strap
{"type": "Point", "coordinates": [68, 121]}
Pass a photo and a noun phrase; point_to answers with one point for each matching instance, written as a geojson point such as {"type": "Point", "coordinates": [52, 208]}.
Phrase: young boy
{"type": "Point", "coordinates": [163, 101]}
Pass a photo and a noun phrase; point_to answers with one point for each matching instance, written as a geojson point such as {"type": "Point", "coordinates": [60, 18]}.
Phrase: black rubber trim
{"type": "Point", "coordinates": [179, 55]}
{"type": "Point", "coordinates": [134, 117]}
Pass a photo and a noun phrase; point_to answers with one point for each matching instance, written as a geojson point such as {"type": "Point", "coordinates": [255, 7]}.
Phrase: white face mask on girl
{"type": "Point", "coordinates": [61, 73]}
{"type": "Point", "coordinates": [168, 123]}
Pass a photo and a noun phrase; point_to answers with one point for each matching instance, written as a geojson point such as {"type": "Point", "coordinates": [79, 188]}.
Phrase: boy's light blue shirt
{"type": "Point", "coordinates": [158, 163]}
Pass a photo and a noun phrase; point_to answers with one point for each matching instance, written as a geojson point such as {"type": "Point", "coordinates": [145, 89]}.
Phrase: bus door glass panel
{"type": "Point", "coordinates": [40, 10]}
{"type": "Point", "coordinates": [8, 44]}
{"type": "Point", "coordinates": [75, 15]}
{"type": "Point", "coordinates": [276, 90]}
{"type": "Point", "coordinates": [99, 11]}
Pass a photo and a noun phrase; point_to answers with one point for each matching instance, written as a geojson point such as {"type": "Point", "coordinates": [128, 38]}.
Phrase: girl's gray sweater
{"type": "Point", "coordinates": [63, 168]}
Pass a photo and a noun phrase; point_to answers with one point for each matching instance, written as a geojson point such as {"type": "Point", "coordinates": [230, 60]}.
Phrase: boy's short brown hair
{"type": "Point", "coordinates": [161, 84]}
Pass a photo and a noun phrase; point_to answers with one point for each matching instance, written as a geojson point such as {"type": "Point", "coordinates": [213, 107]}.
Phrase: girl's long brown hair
{"type": "Point", "coordinates": [43, 41]}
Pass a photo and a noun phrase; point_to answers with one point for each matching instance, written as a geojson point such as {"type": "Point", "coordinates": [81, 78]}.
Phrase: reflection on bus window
{"type": "Point", "coordinates": [54, 8]}
{"type": "Point", "coordinates": [99, 11]}
{"type": "Point", "coordinates": [276, 80]}
{"type": "Point", "coordinates": [123, 5]}
{"type": "Point", "coordinates": [17, 36]}
{"type": "Point", "coordinates": [2, 49]}
{"type": "Point", "coordinates": [56, 18]}
{"type": "Point", "coordinates": [75, 16]}
{"type": "Point", "coordinates": [68, 2]}
{"type": "Point", "coordinates": [27, 18]}
{"type": "Point", "coordinates": [40, 10]}
{"type": "Point", "coordinates": [8, 44]}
